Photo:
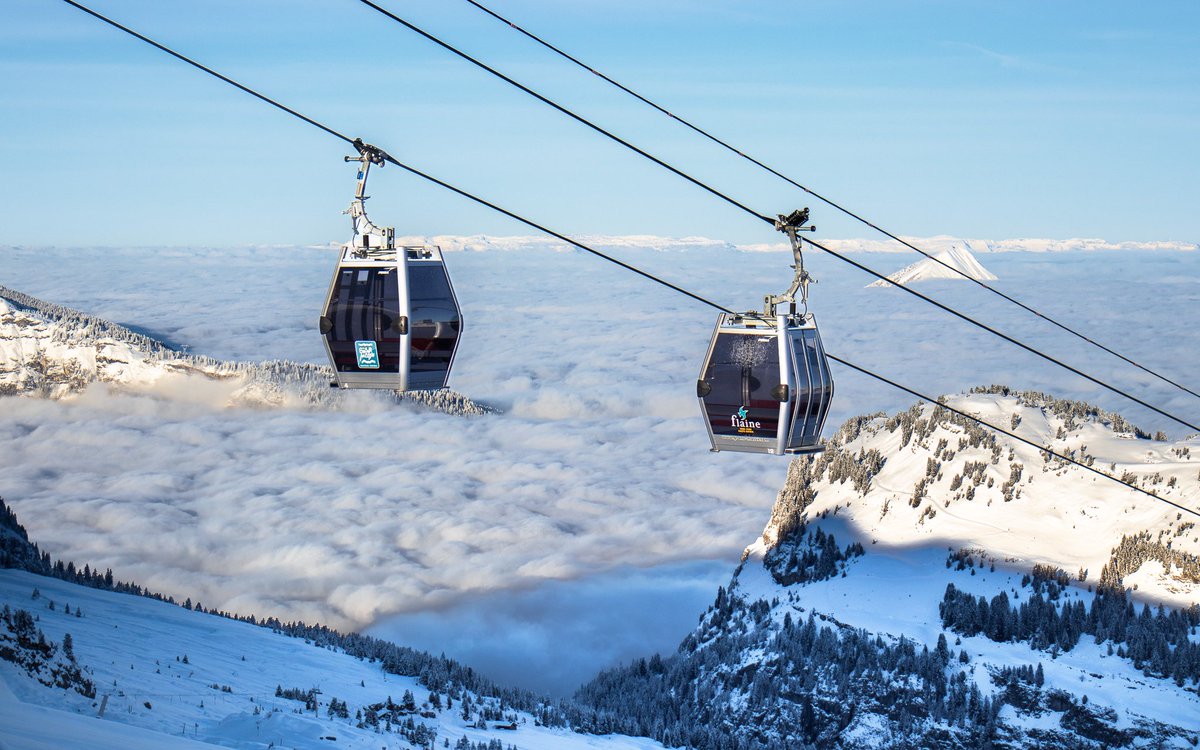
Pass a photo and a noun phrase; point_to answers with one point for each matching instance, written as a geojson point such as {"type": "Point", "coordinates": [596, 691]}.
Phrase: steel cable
{"type": "Point", "coordinates": [564, 110]}
{"type": "Point", "coordinates": [581, 246]}
{"type": "Point", "coordinates": [579, 118]}
{"type": "Point", "coordinates": [827, 201]}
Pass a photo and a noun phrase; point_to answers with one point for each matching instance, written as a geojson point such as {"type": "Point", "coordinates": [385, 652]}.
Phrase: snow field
{"type": "Point", "coordinates": [896, 591]}
{"type": "Point", "coordinates": [135, 646]}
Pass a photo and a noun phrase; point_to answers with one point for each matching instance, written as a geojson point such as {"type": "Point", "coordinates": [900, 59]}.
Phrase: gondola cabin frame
{"type": "Point", "coordinates": [765, 385]}
{"type": "Point", "coordinates": [391, 319]}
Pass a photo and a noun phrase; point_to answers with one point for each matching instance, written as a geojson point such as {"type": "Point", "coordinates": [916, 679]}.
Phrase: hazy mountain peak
{"type": "Point", "coordinates": [957, 257]}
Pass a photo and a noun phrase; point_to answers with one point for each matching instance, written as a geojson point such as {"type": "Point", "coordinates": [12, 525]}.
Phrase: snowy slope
{"type": "Point", "coordinates": [30, 726]}
{"type": "Point", "coordinates": [924, 501]}
{"type": "Point", "coordinates": [959, 258]}
{"type": "Point", "coordinates": [174, 678]}
{"type": "Point", "coordinates": [895, 593]}
{"type": "Point", "coordinates": [1055, 514]}
{"type": "Point", "coordinates": [833, 628]}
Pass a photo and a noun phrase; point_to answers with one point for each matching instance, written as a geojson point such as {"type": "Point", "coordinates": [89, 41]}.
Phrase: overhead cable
{"type": "Point", "coordinates": [1005, 336]}
{"type": "Point", "coordinates": [579, 118]}
{"type": "Point", "coordinates": [582, 246]}
{"type": "Point", "coordinates": [564, 110]}
{"type": "Point", "coordinates": [827, 201]}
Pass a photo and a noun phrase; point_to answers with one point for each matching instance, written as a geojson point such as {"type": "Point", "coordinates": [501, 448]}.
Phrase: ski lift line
{"type": "Point", "coordinates": [1006, 337]}
{"type": "Point", "coordinates": [560, 108]}
{"type": "Point", "coordinates": [534, 225]}
{"type": "Point", "coordinates": [389, 158]}
{"type": "Point", "coordinates": [827, 201]}
{"type": "Point", "coordinates": [488, 204]}
{"type": "Point", "coordinates": [624, 265]}
{"type": "Point", "coordinates": [1012, 435]}
{"type": "Point", "coordinates": [208, 70]}
{"type": "Point", "coordinates": [752, 212]}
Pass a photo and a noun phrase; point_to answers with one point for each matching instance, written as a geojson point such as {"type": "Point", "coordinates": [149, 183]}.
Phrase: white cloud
{"type": "Point", "coordinates": [600, 460]}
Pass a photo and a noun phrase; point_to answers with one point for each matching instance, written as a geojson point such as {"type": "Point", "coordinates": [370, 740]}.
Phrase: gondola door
{"type": "Point", "coordinates": [741, 391]}
{"type": "Point", "coordinates": [436, 322]}
{"type": "Point", "coordinates": [365, 323]}
{"type": "Point", "coordinates": [401, 327]}
{"type": "Point", "coordinates": [812, 391]}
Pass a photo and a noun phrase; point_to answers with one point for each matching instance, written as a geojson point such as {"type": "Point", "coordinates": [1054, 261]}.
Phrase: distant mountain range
{"type": "Point", "coordinates": [936, 244]}
{"type": "Point", "coordinates": [643, 242]}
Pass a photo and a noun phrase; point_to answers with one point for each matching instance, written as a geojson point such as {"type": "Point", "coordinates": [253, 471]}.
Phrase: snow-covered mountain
{"type": "Point", "coordinates": [930, 476]}
{"type": "Point", "coordinates": [99, 666]}
{"type": "Point", "coordinates": [51, 351]}
{"type": "Point", "coordinates": [957, 258]}
{"type": "Point", "coordinates": [161, 676]}
{"type": "Point", "coordinates": [926, 583]}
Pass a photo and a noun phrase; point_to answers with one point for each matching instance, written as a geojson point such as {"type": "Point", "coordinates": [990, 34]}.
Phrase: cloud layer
{"type": "Point", "coordinates": [599, 460]}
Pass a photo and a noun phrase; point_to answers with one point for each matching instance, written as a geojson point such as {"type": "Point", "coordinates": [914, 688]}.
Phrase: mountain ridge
{"type": "Point", "coordinates": [56, 352]}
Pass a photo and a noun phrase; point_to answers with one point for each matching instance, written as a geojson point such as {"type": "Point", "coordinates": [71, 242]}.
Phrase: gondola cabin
{"type": "Point", "coordinates": [765, 386]}
{"type": "Point", "coordinates": [391, 319]}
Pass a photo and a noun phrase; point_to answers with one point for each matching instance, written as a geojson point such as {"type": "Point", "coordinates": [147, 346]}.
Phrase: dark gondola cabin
{"type": "Point", "coordinates": [765, 386]}
{"type": "Point", "coordinates": [391, 319]}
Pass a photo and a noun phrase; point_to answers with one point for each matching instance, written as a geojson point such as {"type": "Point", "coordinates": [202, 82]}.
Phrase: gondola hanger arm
{"type": "Point", "coordinates": [367, 155]}
{"type": "Point", "coordinates": [363, 228]}
{"type": "Point", "coordinates": [791, 225]}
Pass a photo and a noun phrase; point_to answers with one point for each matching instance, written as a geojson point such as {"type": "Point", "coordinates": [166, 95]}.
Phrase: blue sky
{"type": "Point", "coordinates": [1006, 119]}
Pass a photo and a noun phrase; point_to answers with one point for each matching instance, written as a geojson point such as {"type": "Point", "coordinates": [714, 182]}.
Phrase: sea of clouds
{"type": "Point", "coordinates": [425, 526]}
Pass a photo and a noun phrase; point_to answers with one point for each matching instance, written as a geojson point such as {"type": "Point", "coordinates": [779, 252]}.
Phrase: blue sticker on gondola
{"type": "Point", "coordinates": [368, 355]}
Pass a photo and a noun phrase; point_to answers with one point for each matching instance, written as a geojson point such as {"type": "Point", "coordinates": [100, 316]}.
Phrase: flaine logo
{"type": "Point", "coordinates": [742, 424]}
